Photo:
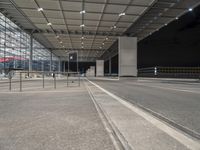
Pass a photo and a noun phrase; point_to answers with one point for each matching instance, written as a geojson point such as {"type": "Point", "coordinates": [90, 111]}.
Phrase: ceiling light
{"type": "Point", "coordinates": [49, 23]}
{"type": "Point", "coordinates": [190, 9]}
{"type": "Point", "coordinates": [106, 38]}
{"type": "Point", "coordinates": [113, 27]}
{"type": "Point", "coordinates": [82, 25]}
{"type": "Point", "coordinates": [40, 9]}
{"type": "Point", "coordinates": [176, 18]}
{"type": "Point", "coordinates": [82, 46]}
{"type": "Point", "coordinates": [82, 43]}
{"type": "Point", "coordinates": [165, 24]}
{"type": "Point", "coordinates": [61, 42]}
{"type": "Point", "coordinates": [57, 36]}
{"type": "Point", "coordinates": [122, 14]}
{"type": "Point", "coordinates": [82, 12]}
{"type": "Point", "coordinates": [82, 37]}
{"type": "Point", "coordinates": [103, 44]}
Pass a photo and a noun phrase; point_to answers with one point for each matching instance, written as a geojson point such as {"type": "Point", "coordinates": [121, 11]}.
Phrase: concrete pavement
{"type": "Point", "coordinates": [62, 119]}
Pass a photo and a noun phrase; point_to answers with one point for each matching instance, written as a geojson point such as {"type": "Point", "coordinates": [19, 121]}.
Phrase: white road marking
{"type": "Point", "coordinates": [173, 89]}
{"type": "Point", "coordinates": [185, 140]}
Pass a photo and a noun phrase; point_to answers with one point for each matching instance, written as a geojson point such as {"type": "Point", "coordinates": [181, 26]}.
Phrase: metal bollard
{"type": "Point", "coordinates": [20, 82]}
{"type": "Point", "coordinates": [54, 81]}
{"type": "Point", "coordinates": [78, 79]}
{"type": "Point", "coordinates": [43, 80]}
{"type": "Point", "coordinates": [10, 84]}
{"type": "Point", "coordinates": [67, 79]}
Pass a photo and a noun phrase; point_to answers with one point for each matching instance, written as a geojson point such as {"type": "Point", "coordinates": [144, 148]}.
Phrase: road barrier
{"type": "Point", "coordinates": [172, 72]}
{"type": "Point", "coordinates": [40, 79]}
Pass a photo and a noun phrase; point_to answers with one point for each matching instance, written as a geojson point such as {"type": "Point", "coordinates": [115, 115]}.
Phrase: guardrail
{"type": "Point", "coordinates": [174, 72]}
{"type": "Point", "coordinates": [22, 77]}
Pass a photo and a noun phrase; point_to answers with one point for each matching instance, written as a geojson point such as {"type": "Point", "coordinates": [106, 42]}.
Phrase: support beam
{"type": "Point", "coordinates": [127, 56]}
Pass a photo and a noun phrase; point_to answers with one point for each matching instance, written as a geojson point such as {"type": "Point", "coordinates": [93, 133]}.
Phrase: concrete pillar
{"type": "Point", "coordinates": [99, 68]}
{"type": "Point", "coordinates": [31, 53]}
{"type": "Point", "coordinates": [110, 66]}
{"type": "Point", "coordinates": [127, 56]}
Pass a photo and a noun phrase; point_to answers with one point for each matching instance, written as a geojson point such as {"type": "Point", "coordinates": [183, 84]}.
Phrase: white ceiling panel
{"type": "Point", "coordinates": [75, 6]}
{"type": "Point", "coordinates": [115, 8]}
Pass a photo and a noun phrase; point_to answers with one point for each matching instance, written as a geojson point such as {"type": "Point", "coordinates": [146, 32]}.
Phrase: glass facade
{"type": "Point", "coordinates": [15, 49]}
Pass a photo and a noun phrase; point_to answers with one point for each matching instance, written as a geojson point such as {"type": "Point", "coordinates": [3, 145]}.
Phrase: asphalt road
{"type": "Point", "coordinates": [174, 100]}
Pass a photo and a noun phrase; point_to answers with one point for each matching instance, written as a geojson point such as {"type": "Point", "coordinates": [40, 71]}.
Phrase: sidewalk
{"type": "Point", "coordinates": [61, 119]}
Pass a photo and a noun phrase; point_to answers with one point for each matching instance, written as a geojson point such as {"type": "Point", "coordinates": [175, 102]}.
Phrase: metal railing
{"type": "Point", "coordinates": [172, 72]}
{"type": "Point", "coordinates": [21, 77]}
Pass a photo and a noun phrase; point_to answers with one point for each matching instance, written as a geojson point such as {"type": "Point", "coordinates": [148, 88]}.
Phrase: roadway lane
{"type": "Point", "coordinates": [179, 102]}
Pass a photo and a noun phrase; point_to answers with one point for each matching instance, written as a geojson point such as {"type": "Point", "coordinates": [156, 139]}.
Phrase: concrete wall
{"type": "Point", "coordinates": [127, 56]}
{"type": "Point", "coordinates": [99, 68]}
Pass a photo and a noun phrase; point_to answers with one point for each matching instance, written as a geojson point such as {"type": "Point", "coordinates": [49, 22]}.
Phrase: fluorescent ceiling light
{"type": "Point", "coordinates": [82, 12]}
{"type": "Point", "coordinates": [122, 14]}
{"type": "Point", "coordinates": [190, 9]}
{"type": "Point", "coordinates": [82, 25]}
{"type": "Point", "coordinates": [40, 9]}
{"type": "Point", "coordinates": [49, 23]}
{"type": "Point", "coordinates": [113, 27]}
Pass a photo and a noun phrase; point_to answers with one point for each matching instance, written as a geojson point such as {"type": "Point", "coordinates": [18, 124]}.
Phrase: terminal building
{"type": "Point", "coordinates": [99, 74]}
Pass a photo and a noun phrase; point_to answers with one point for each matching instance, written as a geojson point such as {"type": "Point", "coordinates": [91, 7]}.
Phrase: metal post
{"type": "Point", "coordinates": [20, 82]}
{"type": "Point", "coordinates": [31, 53]}
{"type": "Point", "coordinates": [64, 67]}
{"type": "Point", "coordinates": [54, 81]}
{"type": "Point", "coordinates": [110, 66]}
{"type": "Point", "coordinates": [50, 69]}
{"type": "Point", "coordinates": [78, 78]}
{"type": "Point", "coordinates": [10, 78]}
{"type": "Point", "coordinates": [43, 79]}
{"type": "Point", "coordinates": [77, 60]}
{"type": "Point", "coordinates": [67, 79]}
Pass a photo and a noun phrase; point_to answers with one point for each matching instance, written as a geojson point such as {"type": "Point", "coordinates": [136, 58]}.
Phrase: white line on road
{"type": "Point", "coordinates": [173, 89]}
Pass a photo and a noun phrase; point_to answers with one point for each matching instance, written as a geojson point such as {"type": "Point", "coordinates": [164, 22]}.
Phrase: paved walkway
{"type": "Point", "coordinates": [62, 119]}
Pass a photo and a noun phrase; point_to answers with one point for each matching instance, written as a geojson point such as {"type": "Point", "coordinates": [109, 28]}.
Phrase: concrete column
{"type": "Point", "coordinates": [50, 66]}
{"type": "Point", "coordinates": [110, 66]}
{"type": "Point", "coordinates": [99, 68]}
{"type": "Point", "coordinates": [31, 53]}
{"type": "Point", "coordinates": [127, 56]}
